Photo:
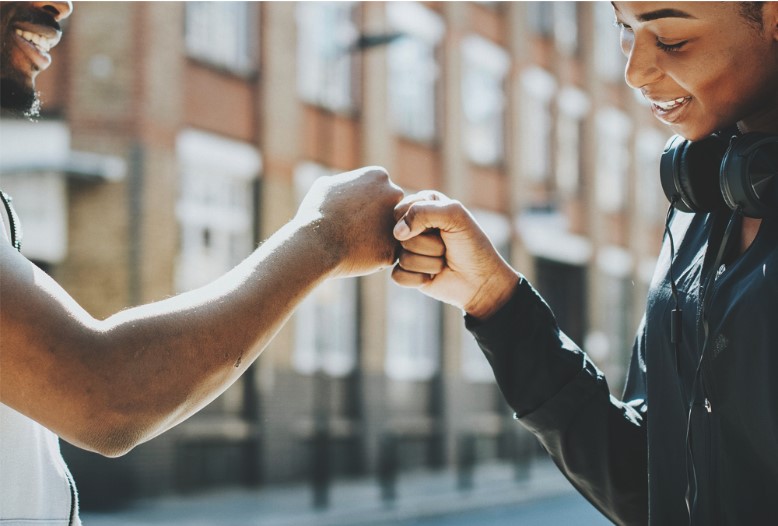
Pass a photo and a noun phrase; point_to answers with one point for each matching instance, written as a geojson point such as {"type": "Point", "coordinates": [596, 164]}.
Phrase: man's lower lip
{"type": "Point", "coordinates": [672, 115]}
{"type": "Point", "coordinates": [38, 57]}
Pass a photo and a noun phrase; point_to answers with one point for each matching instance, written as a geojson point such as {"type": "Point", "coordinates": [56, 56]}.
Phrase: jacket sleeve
{"type": "Point", "coordinates": [597, 441]}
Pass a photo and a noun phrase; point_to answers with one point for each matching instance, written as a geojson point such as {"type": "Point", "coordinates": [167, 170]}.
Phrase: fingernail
{"type": "Point", "coordinates": [401, 229]}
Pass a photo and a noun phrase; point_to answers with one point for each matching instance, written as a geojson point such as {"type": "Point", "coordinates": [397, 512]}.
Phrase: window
{"type": "Point", "coordinates": [650, 201]}
{"type": "Point", "coordinates": [610, 346]}
{"type": "Point", "coordinates": [326, 321]}
{"type": "Point", "coordinates": [222, 34]}
{"type": "Point", "coordinates": [538, 88]}
{"type": "Point", "coordinates": [573, 106]}
{"type": "Point", "coordinates": [483, 100]}
{"type": "Point", "coordinates": [609, 61]}
{"type": "Point", "coordinates": [413, 334]}
{"type": "Point", "coordinates": [475, 367]}
{"type": "Point", "coordinates": [326, 329]}
{"type": "Point", "coordinates": [541, 18]}
{"type": "Point", "coordinates": [216, 206]}
{"type": "Point", "coordinates": [613, 130]}
{"type": "Point", "coordinates": [563, 286]}
{"type": "Point", "coordinates": [413, 70]}
{"type": "Point", "coordinates": [566, 27]}
{"type": "Point", "coordinates": [325, 30]}
{"type": "Point", "coordinates": [546, 234]}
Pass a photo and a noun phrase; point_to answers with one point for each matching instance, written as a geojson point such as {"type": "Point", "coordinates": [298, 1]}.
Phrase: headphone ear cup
{"type": "Point", "coordinates": [687, 170]}
{"type": "Point", "coordinates": [749, 175]}
{"type": "Point", "coordinates": [669, 170]}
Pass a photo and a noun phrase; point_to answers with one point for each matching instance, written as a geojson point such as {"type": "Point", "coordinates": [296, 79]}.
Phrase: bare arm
{"type": "Point", "coordinates": [109, 385]}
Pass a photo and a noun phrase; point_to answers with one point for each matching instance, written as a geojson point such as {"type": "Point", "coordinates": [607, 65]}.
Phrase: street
{"type": "Point", "coordinates": [569, 509]}
{"type": "Point", "coordinates": [424, 498]}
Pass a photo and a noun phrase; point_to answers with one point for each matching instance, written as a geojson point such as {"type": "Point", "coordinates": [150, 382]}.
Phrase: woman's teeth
{"type": "Point", "coordinates": [670, 104]}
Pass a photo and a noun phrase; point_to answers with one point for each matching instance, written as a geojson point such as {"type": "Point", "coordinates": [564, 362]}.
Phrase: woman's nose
{"type": "Point", "coordinates": [642, 68]}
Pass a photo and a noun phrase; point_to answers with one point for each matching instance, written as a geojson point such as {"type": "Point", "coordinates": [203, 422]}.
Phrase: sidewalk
{"type": "Point", "coordinates": [358, 502]}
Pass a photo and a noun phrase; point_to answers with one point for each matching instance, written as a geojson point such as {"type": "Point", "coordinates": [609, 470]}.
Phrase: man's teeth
{"type": "Point", "coordinates": [35, 39]}
{"type": "Point", "coordinates": [670, 104]}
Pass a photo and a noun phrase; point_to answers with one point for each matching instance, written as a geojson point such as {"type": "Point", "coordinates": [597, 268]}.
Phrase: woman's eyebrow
{"type": "Point", "coordinates": [659, 13]}
{"type": "Point", "coordinates": [663, 13]}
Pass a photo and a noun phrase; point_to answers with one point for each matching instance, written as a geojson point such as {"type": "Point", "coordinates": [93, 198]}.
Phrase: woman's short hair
{"type": "Point", "coordinates": [752, 12]}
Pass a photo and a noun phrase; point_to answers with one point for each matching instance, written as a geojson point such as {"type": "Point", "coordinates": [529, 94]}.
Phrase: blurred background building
{"type": "Point", "coordinates": [176, 136]}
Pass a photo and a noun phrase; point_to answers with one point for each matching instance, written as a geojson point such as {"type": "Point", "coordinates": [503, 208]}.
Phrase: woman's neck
{"type": "Point", "coordinates": [748, 233]}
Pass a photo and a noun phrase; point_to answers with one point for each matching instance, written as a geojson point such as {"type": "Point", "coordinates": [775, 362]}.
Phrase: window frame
{"type": "Point", "coordinates": [338, 93]}
{"type": "Point", "coordinates": [208, 160]}
{"type": "Point", "coordinates": [481, 57]}
{"type": "Point", "coordinates": [424, 29]}
{"type": "Point", "coordinates": [206, 48]}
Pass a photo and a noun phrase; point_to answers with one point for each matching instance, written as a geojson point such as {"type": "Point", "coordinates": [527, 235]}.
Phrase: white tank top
{"type": "Point", "coordinates": [35, 484]}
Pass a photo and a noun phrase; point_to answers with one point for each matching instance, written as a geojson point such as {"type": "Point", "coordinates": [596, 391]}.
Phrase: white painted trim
{"type": "Point", "coordinates": [547, 237]}
{"type": "Point", "coordinates": [539, 83]}
{"type": "Point", "coordinates": [615, 261]}
{"type": "Point", "coordinates": [487, 54]}
{"type": "Point", "coordinates": [415, 20]}
{"type": "Point", "coordinates": [201, 149]}
{"type": "Point", "coordinates": [23, 143]}
{"type": "Point", "coordinates": [495, 225]}
{"type": "Point", "coordinates": [573, 102]}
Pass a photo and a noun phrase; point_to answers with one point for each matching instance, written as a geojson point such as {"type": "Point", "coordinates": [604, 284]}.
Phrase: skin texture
{"type": "Point", "coordinates": [722, 64]}
{"type": "Point", "coordinates": [21, 61]}
{"type": "Point", "coordinates": [108, 385]}
{"type": "Point", "coordinates": [447, 256]}
{"type": "Point", "coordinates": [726, 65]}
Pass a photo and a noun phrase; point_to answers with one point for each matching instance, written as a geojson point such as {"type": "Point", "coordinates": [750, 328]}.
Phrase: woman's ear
{"type": "Point", "coordinates": [770, 18]}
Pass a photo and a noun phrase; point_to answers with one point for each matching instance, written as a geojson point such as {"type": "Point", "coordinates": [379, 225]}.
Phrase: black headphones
{"type": "Point", "coordinates": [748, 185]}
{"type": "Point", "coordinates": [748, 173]}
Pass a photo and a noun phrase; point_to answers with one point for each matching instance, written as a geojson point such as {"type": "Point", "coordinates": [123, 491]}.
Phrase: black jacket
{"type": "Point", "coordinates": [629, 457]}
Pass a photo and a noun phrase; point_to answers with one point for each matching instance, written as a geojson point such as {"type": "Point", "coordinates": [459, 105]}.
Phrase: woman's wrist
{"type": "Point", "coordinates": [493, 294]}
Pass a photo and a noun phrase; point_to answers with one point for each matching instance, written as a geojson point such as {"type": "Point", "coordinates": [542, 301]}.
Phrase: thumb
{"type": "Point", "coordinates": [445, 216]}
{"type": "Point", "coordinates": [402, 231]}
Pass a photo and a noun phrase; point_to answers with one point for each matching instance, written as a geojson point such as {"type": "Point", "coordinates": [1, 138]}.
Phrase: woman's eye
{"type": "Point", "coordinates": [670, 47]}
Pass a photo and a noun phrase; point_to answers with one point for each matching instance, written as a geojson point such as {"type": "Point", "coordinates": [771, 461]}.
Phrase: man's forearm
{"type": "Point", "coordinates": [205, 339]}
{"type": "Point", "coordinates": [135, 374]}
{"type": "Point", "coordinates": [108, 385]}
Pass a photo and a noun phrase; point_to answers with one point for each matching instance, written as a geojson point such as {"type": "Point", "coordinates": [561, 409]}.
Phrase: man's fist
{"type": "Point", "coordinates": [353, 212]}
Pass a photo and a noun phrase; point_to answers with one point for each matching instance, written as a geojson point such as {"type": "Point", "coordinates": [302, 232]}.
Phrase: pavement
{"type": "Point", "coordinates": [419, 495]}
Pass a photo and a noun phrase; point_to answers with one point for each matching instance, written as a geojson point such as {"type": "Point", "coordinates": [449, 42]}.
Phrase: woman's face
{"type": "Point", "coordinates": [702, 65]}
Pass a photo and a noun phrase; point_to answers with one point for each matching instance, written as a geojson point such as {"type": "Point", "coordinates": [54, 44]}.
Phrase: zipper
{"type": "Point", "coordinates": [708, 292]}
{"type": "Point", "coordinates": [706, 386]}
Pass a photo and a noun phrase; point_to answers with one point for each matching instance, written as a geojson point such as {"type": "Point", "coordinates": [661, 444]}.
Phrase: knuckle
{"type": "Point", "coordinates": [400, 276]}
{"type": "Point", "coordinates": [379, 172]}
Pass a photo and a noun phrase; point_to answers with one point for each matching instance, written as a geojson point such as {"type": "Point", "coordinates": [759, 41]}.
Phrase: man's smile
{"type": "Point", "coordinates": [35, 39]}
{"type": "Point", "coordinates": [40, 41]}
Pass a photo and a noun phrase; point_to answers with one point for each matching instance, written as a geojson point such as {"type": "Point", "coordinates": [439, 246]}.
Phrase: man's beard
{"type": "Point", "coordinates": [18, 99]}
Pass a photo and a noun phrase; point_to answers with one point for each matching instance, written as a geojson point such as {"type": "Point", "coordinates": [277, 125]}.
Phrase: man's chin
{"type": "Point", "coordinates": [18, 99]}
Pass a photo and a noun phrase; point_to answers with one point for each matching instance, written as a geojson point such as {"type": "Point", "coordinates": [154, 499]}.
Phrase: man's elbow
{"type": "Point", "coordinates": [112, 438]}
{"type": "Point", "coordinates": [113, 447]}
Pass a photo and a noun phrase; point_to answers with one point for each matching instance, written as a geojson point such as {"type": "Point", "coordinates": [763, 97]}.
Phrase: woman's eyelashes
{"type": "Point", "coordinates": [670, 47]}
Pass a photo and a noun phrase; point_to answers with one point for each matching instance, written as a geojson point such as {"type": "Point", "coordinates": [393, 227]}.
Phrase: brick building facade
{"type": "Point", "coordinates": [185, 133]}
